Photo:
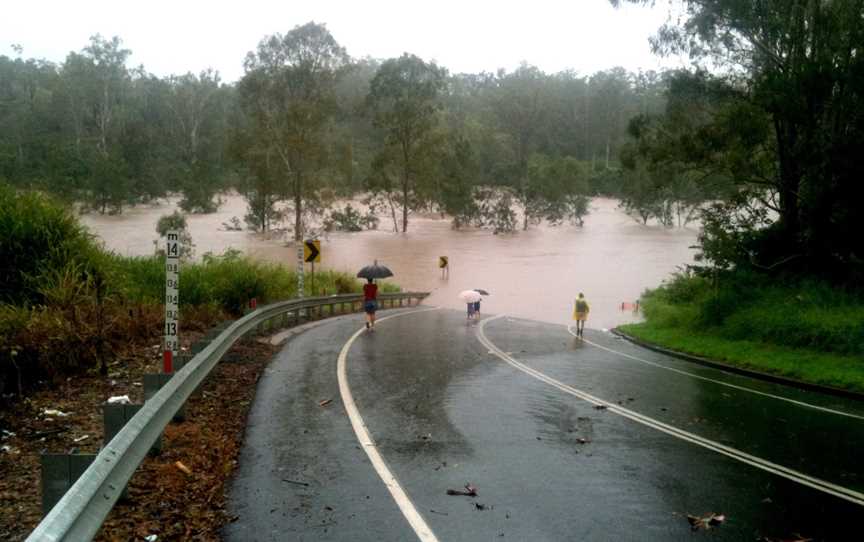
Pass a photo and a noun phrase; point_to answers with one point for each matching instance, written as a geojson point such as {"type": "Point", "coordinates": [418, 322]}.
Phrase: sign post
{"type": "Point", "coordinates": [172, 300]}
{"type": "Point", "coordinates": [444, 264]}
{"type": "Point", "coordinates": [312, 254]}
{"type": "Point", "coordinates": [299, 270]}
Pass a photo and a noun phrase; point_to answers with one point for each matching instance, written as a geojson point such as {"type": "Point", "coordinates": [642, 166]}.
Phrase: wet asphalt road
{"type": "Point", "coordinates": [443, 411]}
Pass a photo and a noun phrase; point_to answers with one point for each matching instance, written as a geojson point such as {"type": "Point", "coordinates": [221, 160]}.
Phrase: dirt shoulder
{"type": "Point", "coordinates": [163, 500]}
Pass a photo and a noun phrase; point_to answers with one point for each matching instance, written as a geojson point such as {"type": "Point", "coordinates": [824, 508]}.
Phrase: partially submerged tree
{"type": "Point", "coordinates": [288, 96]}
{"type": "Point", "coordinates": [197, 137]}
{"type": "Point", "coordinates": [520, 105]}
{"type": "Point", "coordinates": [403, 100]}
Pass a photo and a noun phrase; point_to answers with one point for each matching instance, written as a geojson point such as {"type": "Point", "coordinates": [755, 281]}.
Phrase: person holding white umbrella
{"type": "Point", "coordinates": [480, 291]}
{"type": "Point", "coordinates": [470, 297]}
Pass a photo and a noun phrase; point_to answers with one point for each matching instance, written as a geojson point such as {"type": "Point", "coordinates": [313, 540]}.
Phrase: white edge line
{"type": "Point", "coordinates": [720, 382]}
{"type": "Point", "coordinates": [415, 519]}
{"type": "Point", "coordinates": [790, 474]}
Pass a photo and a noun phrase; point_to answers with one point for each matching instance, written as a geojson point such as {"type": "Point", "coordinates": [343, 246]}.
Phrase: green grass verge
{"type": "Point", "coordinates": [829, 369]}
{"type": "Point", "coordinates": [228, 281]}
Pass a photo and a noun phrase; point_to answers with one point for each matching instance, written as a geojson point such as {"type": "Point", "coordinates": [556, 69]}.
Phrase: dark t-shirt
{"type": "Point", "coordinates": [370, 291]}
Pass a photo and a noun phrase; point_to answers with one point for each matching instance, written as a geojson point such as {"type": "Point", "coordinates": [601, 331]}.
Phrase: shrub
{"type": "Point", "coordinates": [38, 239]}
{"type": "Point", "coordinates": [684, 287]}
{"type": "Point", "coordinates": [752, 307]}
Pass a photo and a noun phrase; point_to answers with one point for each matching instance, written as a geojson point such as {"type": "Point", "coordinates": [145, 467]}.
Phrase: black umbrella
{"type": "Point", "coordinates": [481, 291]}
{"type": "Point", "coordinates": [375, 271]}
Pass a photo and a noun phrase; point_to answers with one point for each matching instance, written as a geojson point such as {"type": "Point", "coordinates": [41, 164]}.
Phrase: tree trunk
{"type": "Point", "coordinates": [298, 217]}
{"type": "Point", "coordinates": [393, 213]}
{"type": "Point", "coordinates": [607, 151]}
{"type": "Point", "coordinates": [790, 181]}
{"type": "Point", "coordinates": [405, 196]}
{"type": "Point", "coordinates": [524, 182]}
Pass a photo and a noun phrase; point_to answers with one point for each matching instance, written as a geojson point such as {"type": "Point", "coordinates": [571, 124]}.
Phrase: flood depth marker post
{"type": "Point", "coordinates": [300, 251]}
{"type": "Point", "coordinates": [172, 300]}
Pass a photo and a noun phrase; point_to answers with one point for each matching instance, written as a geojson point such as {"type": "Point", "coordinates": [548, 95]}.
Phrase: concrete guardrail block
{"type": "Point", "coordinates": [59, 473]}
{"type": "Point", "coordinates": [153, 383]}
{"type": "Point", "coordinates": [116, 416]}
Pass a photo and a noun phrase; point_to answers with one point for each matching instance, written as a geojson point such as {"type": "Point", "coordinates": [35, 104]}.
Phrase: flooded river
{"type": "Point", "coordinates": [532, 274]}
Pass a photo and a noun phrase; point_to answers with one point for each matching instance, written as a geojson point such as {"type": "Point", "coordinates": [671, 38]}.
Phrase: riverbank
{"type": "Point", "coordinates": [806, 331]}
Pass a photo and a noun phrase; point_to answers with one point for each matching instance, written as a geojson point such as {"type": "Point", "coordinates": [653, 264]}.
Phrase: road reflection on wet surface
{"type": "Point", "coordinates": [443, 412]}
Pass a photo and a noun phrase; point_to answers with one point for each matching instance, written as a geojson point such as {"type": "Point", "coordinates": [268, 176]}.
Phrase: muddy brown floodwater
{"type": "Point", "coordinates": [532, 274]}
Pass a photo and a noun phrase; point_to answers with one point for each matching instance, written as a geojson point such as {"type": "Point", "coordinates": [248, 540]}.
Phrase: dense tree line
{"type": "Point", "coordinates": [308, 124]}
{"type": "Point", "coordinates": [770, 121]}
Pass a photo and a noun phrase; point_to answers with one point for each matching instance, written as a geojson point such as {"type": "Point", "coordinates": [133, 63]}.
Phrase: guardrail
{"type": "Point", "coordinates": [81, 511]}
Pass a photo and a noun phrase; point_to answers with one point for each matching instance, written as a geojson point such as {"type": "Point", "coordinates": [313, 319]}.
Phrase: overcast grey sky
{"type": "Point", "coordinates": [463, 36]}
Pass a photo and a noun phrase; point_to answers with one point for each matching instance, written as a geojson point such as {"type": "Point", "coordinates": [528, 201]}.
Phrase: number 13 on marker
{"type": "Point", "coordinates": [172, 297]}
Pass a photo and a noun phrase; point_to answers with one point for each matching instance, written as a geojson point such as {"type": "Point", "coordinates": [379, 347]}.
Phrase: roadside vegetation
{"type": "Point", "coordinates": [802, 329]}
{"type": "Point", "coordinates": [69, 307]}
{"type": "Point", "coordinates": [775, 134]}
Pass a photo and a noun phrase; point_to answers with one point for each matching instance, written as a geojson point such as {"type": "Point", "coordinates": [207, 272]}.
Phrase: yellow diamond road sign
{"type": "Point", "coordinates": [312, 251]}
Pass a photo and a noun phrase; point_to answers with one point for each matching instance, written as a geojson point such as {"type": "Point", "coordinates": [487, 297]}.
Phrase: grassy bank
{"type": "Point", "coordinates": [227, 281]}
{"type": "Point", "coordinates": [806, 330]}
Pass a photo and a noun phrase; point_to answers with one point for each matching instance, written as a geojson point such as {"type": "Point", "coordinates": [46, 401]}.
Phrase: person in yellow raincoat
{"type": "Point", "coordinates": [580, 313]}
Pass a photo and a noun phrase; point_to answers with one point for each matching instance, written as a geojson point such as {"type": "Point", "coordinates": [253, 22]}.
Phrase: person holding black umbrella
{"type": "Point", "coordinates": [370, 302]}
{"type": "Point", "coordinates": [370, 289]}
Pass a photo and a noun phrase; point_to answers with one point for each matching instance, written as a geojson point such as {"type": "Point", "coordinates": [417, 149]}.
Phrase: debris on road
{"type": "Point", "coordinates": [119, 400]}
{"type": "Point", "coordinates": [324, 402]}
{"type": "Point", "coordinates": [469, 491]}
{"type": "Point", "coordinates": [581, 440]}
{"type": "Point", "coordinates": [795, 538]}
{"type": "Point", "coordinates": [294, 482]}
{"type": "Point", "coordinates": [479, 506]}
{"type": "Point", "coordinates": [705, 522]}
{"type": "Point", "coordinates": [439, 513]}
{"type": "Point", "coordinates": [183, 468]}
{"type": "Point", "coordinates": [427, 436]}
{"type": "Point", "coordinates": [600, 407]}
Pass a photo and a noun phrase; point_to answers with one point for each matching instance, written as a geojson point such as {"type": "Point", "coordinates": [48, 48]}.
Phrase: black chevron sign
{"type": "Point", "coordinates": [312, 251]}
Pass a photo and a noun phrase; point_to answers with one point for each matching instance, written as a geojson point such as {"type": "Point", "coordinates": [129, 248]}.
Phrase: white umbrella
{"type": "Point", "coordinates": [470, 296]}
